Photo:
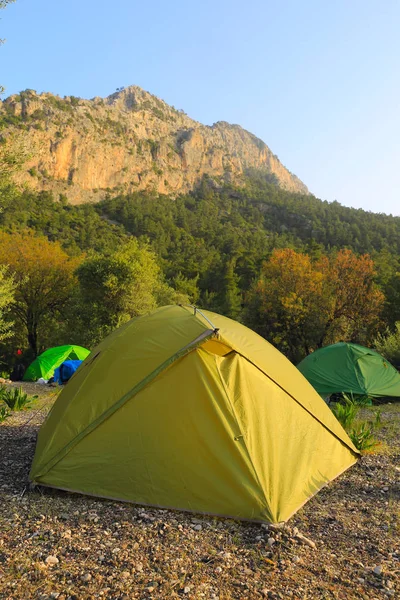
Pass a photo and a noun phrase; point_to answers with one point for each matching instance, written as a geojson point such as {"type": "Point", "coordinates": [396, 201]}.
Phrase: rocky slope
{"type": "Point", "coordinates": [126, 142]}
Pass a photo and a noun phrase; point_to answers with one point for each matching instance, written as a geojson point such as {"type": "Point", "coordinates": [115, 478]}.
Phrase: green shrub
{"type": "Point", "coordinates": [16, 399]}
{"type": "Point", "coordinates": [38, 114]}
{"type": "Point", "coordinates": [362, 437]}
{"type": "Point", "coordinates": [4, 413]}
{"type": "Point", "coordinates": [388, 344]}
{"type": "Point", "coordinates": [60, 104]}
{"type": "Point", "coordinates": [345, 412]}
{"type": "Point", "coordinates": [358, 400]}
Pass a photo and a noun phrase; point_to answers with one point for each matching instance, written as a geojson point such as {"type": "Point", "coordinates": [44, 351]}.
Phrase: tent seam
{"type": "Point", "coordinates": [208, 333]}
{"type": "Point", "coordinates": [354, 450]}
{"type": "Point", "coordinates": [243, 438]}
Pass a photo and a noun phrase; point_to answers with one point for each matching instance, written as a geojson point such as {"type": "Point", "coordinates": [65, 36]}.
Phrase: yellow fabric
{"type": "Point", "coordinates": [292, 454]}
{"type": "Point", "coordinates": [277, 367]}
{"type": "Point", "coordinates": [168, 412]}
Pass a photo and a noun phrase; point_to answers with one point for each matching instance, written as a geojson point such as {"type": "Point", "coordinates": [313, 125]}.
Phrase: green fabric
{"type": "Point", "coordinates": [46, 363]}
{"type": "Point", "coordinates": [199, 414]}
{"type": "Point", "coordinates": [350, 368]}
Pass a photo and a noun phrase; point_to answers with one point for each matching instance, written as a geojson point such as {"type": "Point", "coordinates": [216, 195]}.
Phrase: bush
{"type": "Point", "coordinates": [388, 344]}
{"type": "Point", "coordinates": [16, 399]}
{"type": "Point", "coordinates": [4, 413]}
{"type": "Point", "coordinates": [346, 410]}
{"type": "Point", "coordinates": [362, 437]}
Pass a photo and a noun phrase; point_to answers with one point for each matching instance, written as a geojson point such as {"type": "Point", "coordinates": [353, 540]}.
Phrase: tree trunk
{"type": "Point", "coordinates": [31, 325]}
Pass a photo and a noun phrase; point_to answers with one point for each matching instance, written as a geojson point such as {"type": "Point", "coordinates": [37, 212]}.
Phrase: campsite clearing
{"type": "Point", "coordinates": [59, 545]}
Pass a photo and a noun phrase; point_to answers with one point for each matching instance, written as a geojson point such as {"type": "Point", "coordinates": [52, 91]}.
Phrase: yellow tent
{"type": "Point", "coordinates": [190, 410]}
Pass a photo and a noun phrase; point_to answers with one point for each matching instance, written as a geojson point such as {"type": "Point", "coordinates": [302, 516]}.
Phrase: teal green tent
{"type": "Point", "coordinates": [350, 368]}
{"type": "Point", "coordinates": [46, 363]}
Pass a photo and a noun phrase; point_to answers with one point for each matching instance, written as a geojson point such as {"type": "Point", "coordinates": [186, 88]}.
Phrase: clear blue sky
{"type": "Point", "coordinates": [318, 81]}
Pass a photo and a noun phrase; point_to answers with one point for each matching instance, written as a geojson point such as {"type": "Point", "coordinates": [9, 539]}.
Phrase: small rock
{"type": "Point", "coordinates": [186, 590]}
{"type": "Point", "coordinates": [271, 541]}
{"type": "Point", "coordinates": [86, 577]}
{"type": "Point", "coordinates": [218, 570]}
{"type": "Point", "coordinates": [378, 570]}
{"type": "Point", "coordinates": [52, 560]}
{"type": "Point", "coordinates": [296, 559]}
{"type": "Point", "coordinates": [385, 489]}
{"type": "Point", "coordinates": [198, 527]}
{"type": "Point", "coordinates": [361, 580]}
{"type": "Point", "coordinates": [306, 540]}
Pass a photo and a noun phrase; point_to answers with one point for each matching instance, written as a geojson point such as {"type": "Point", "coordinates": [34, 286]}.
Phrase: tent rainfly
{"type": "Point", "coordinates": [187, 409]}
{"type": "Point", "coordinates": [350, 368]}
{"type": "Point", "coordinates": [46, 363]}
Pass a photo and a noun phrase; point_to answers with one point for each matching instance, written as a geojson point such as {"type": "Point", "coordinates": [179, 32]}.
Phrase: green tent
{"type": "Point", "coordinates": [190, 410]}
{"type": "Point", "coordinates": [46, 363]}
{"type": "Point", "coordinates": [350, 368]}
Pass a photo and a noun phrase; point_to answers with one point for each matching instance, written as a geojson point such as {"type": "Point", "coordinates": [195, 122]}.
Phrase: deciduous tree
{"type": "Point", "coordinates": [355, 303]}
{"type": "Point", "coordinates": [7, 291]}
{"type": "Point", "coordinates": [44, 275]}
{"type": "Point", "coordinates": [287, 305]}
{"type": "Point", "coordinates": [300, 304]}
{"type": "Point", "coordinates": [116, 287]}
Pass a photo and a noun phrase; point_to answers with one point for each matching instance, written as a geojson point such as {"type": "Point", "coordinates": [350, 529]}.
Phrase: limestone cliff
{"type": "Point", "coordinates": [127, 142]}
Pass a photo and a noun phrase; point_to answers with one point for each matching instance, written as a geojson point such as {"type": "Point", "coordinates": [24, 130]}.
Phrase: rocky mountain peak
{"type": "Point", "coordinates": [127, 142]}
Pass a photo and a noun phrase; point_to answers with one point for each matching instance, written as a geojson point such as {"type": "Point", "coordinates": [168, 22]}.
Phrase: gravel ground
{"type": "Point", "coordinates": [71, 547]}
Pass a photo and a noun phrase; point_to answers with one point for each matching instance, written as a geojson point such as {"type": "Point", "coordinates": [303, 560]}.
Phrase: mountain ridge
{"type": "Point", "coordinates": [129, 141]}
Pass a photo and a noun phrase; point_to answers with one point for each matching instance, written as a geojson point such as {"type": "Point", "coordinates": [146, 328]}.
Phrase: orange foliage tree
{"type": "Point", "coordinates": [300, 304]}
{"type": "Point", "coordinates": [44, 277]}
{"type": "Point", "coordinates": [355, 301]}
